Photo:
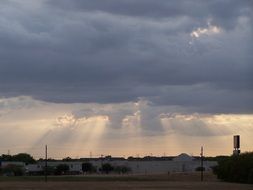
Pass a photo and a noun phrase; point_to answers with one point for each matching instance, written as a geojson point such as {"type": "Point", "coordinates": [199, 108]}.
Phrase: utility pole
{"type": "Point", "coordinates": [46, 163]}
{"type": "Point", "coordinates": [202, 158]}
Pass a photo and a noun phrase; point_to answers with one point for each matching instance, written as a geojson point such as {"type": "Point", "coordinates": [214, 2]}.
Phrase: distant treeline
{"type": "Point", "coordinates": [28, 159]}
{"type": "Point", "coordinates": [235, 168]}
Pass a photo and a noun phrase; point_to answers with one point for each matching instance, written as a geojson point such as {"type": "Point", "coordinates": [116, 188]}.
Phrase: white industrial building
{"type": "Point", "coordinates": [181, 163]}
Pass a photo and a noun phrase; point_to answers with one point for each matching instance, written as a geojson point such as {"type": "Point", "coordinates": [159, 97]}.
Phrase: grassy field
{"type": "Point", "coordinates": [158, 177]}
{"type": "Point", "coordinates": [179, 181]}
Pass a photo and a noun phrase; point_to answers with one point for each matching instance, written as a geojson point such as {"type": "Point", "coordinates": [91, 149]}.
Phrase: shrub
{"type": "Point", "coordinates": [87, 167]}
{"type": "Point", "coordinates": [50, 170]}
{"type": "Point", "coordinates": [13, 170]}
{"type": "Point", "coordinates": [61, 169]}
{"type": "Point", "coordinates": [122, 169]}
{"type": "Point", "coordinates": [106, 168]}
{"type": "Point", "coordinates": [250, 176]}
{"type": "Point", "coordinates": [199, 169]}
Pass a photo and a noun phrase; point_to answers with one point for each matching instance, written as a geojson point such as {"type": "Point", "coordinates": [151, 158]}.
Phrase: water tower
{"type": "Point", "coordinates": [236, 145]}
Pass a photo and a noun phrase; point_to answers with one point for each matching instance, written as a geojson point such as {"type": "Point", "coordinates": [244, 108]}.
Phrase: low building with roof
{"type": "Point", "coordinates": [180, 163]}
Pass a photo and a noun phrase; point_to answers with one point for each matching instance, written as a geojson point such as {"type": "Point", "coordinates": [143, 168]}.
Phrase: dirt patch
{"type": "Point", "coordinates": [177, 181]}
{"type": "Point", "coordinates": [122, 185]}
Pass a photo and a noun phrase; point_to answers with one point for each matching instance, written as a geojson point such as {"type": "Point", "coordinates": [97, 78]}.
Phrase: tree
{"type": "Point", "coordinates": [61, 169]}
{"type": "Point", "coordinates": [67, 159]}
{"type": "Point", "coordinates": [23, 157]}
{"type": "Point", "coordinates": [6, 157]}
{"type": "Point", "coordinates": [107, 168]}
{"type": "Point", "coordinates": [236, 168]}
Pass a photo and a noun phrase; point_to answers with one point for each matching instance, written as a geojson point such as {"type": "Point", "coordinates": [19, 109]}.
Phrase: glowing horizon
{"type": "Point", "coordinates": [75, 130]}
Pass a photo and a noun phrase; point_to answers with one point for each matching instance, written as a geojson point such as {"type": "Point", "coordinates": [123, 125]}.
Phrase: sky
{"type": "Point", "coordinates": [125, 77]}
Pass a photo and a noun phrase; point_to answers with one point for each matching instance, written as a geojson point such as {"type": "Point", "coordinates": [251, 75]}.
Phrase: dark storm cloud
{"type": "Point", "coordinates": [224, 12]}
{"type": "Point", "coordinates": [118, 51]}
{"type": "Point", "coordinates": [158, 8]}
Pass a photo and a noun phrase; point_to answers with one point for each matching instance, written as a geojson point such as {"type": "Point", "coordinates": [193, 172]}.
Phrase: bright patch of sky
{"type": "Point", "coordinates": [210, 30]}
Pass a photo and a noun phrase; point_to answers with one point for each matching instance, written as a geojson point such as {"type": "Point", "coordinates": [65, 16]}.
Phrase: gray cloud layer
{"type": "Point", "coordinates": [119, 51]}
